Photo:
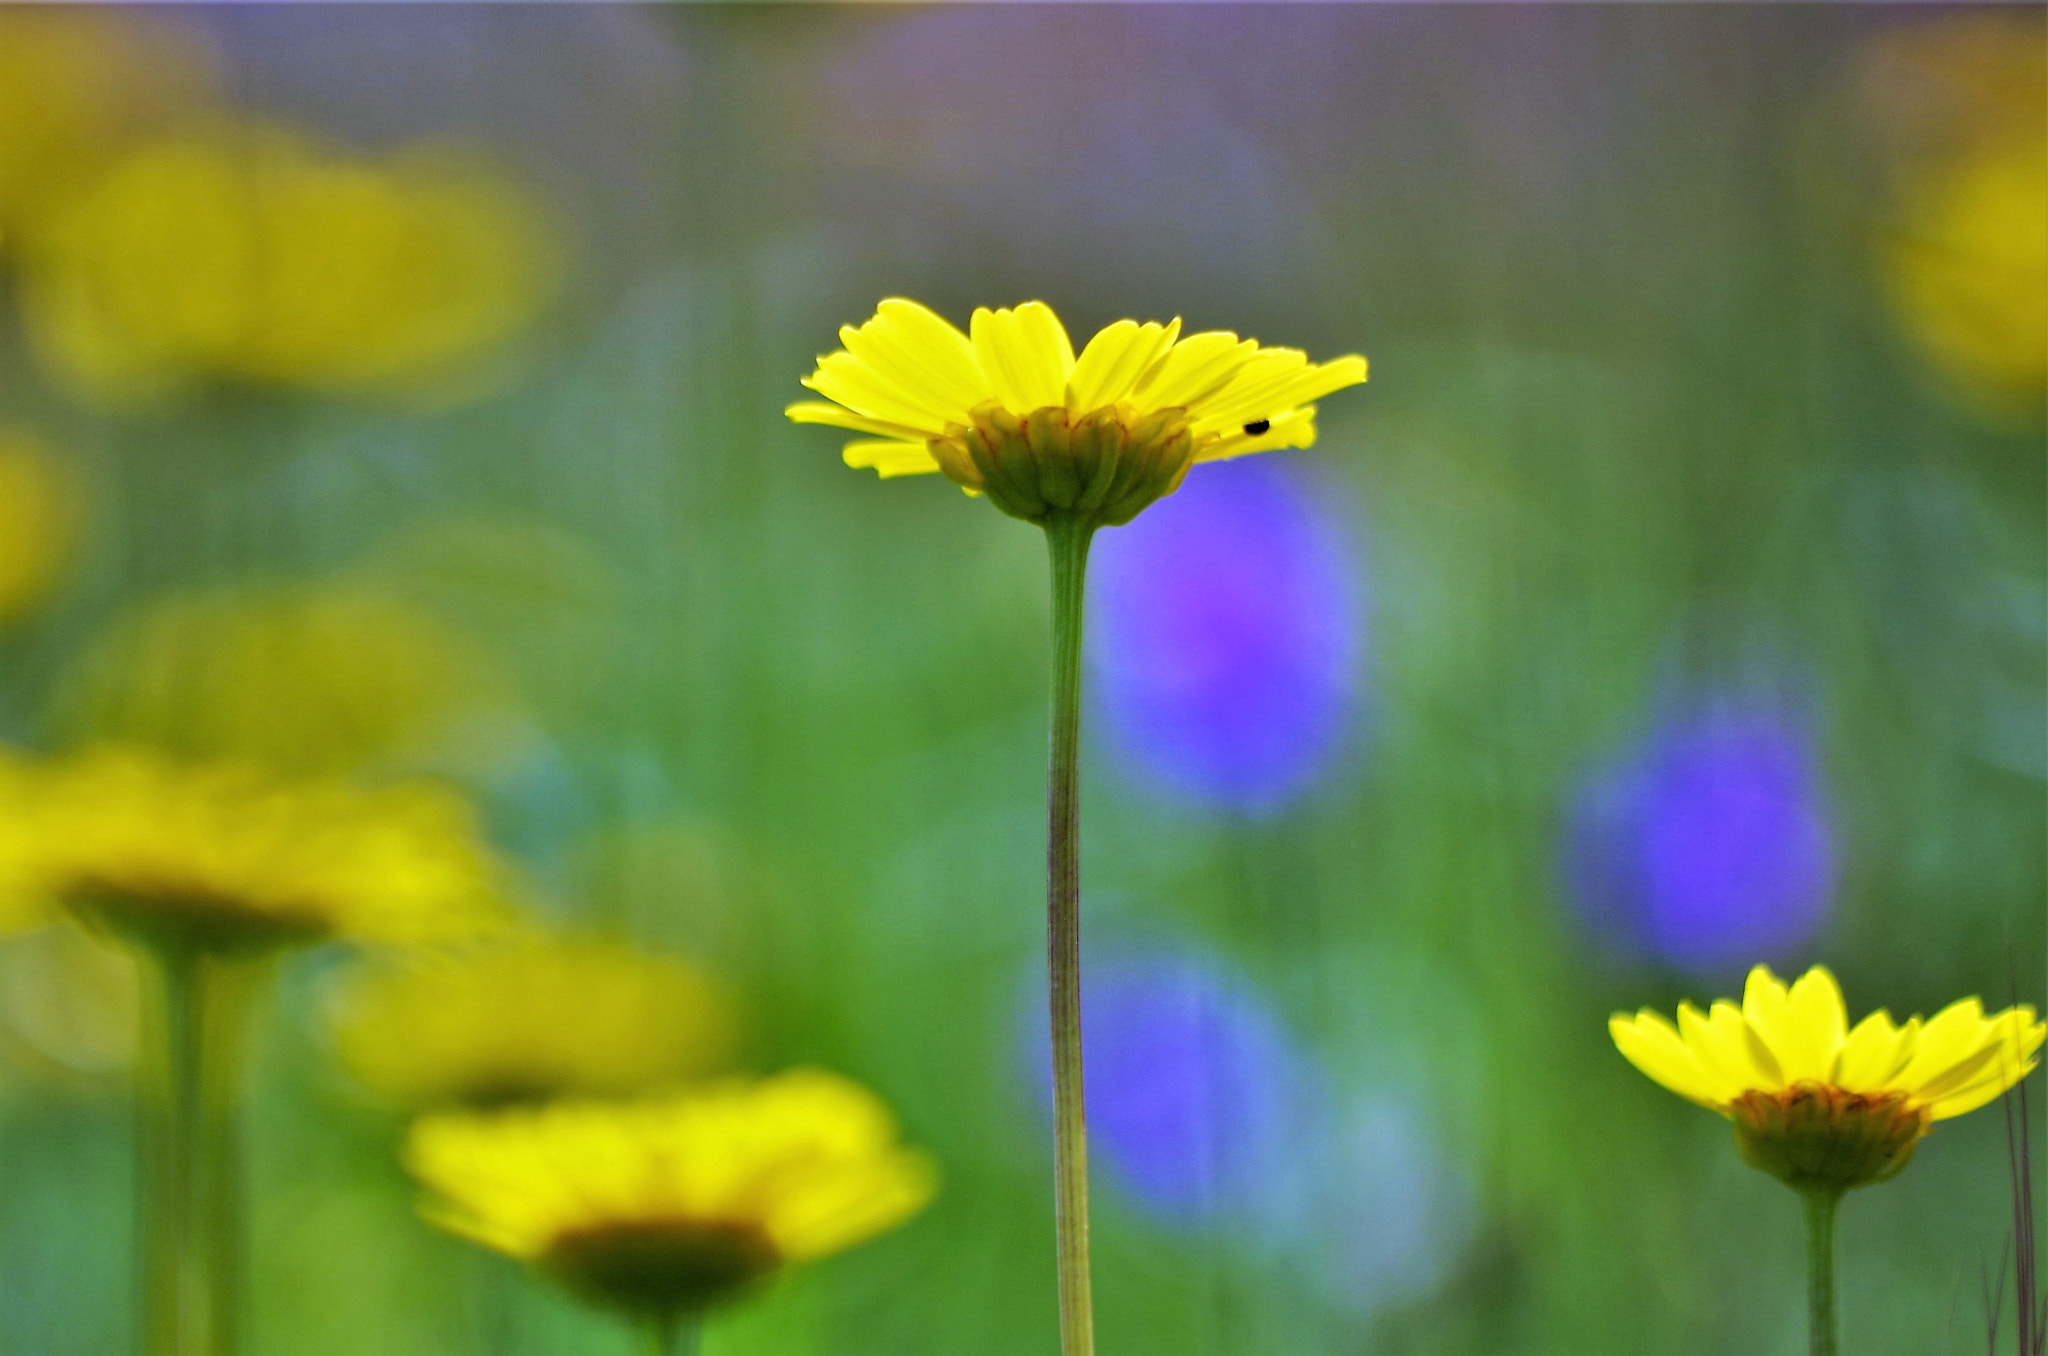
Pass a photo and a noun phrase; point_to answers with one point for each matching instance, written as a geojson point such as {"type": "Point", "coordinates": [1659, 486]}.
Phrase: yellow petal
{"type": "Point", "coordinates": [1721, 1043]}
{"type": "Point", "coordinates": [1296, 428]}
{"type": "Point", "coordinates": [2018, 1037]}
{"type": "Point", "coordinates": [1114, 360]}
{"type": "Point", "coordinates": [838, 416]}
{"type": "Point", "coordinates": [1192, 370]}
{"type": "Point", "coordinates": [917, 350]}
{"type": "Point", "coordinates": [1025, 354]}
{"type": "Point", "coordinates": [1277, 380]}
{"type": "Point", "coordinates": [890, 458]}
{"type": "Point", "coordinates": [1988, 1087]}
{"type": "Point", "coordinates": [1649, 1042]}
{"type": "Point", "coordinates": [1951, 1036]}
{"type": "Point", "coordinates": [2002, 1058]}
{"type": "Point", "coordinates": [1872, 1053]}
{"type": "Point", "coordinates": [851, 382]}
{"type": "Point", "coordinates": [1810, 1031]}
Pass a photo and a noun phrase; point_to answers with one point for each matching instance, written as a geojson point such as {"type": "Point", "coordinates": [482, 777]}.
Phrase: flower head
{"type": "Point", "coordinates": [223, 857]}
{"type": "Point", "coordinates": [1968, 272]}
{"type": "Point", "coordinates": [666, 1205]}
{"type": "Point", "coordinates": [528, 1019]}
{"type": "Point", "coordinates": [1709, 840]}
{"type": "Point", "coordinates": [1009, 410]}
{"type": "Point", "coordinates": [249, 254]}
{"type": "Point", "coordinates": [77, 85]}
{"type": "Point", "coordinates": [1225, 639]}
{"type": "Point", "coordinates": [1816, 1102]}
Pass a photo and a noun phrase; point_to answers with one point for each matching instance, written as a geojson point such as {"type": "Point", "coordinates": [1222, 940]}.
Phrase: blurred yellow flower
{"type": "Point", "coordinates": [529, 1019]}
{"type": "Point", "coordinates": [74, 85]}
{"type": "Point", "coordinates": [222, 857]}
{"type": "Point", "coordinates": [663, 1206]}
{"type": "Point", "coordinates": [1955, 110]}
{"type": "Point", "coordinates": [1010, 411]}
{"type": "Point", "coordinates": [309, 678]}
{"type": "Point", "coordinates": [38, 520]}
{"type": "Point", "coordinates": [1815, 1102]}
{"type": "Point", "coordinates": [1967, 272]}
{"type": "Point", "coordinates": [249, 254]}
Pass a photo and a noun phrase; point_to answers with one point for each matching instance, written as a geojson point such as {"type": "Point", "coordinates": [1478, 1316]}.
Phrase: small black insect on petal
{"type": "Point", "coordinates": [1258, 426]}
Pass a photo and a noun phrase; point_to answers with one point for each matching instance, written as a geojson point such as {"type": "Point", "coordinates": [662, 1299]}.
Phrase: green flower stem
{"type": "Point", "coordinates": [190, 1153]}
{"type": "Point", "coordinates": [668, 1336]}
{"type": "Point", "coordinates": [1068, 544]}
{"type": "Point", "coordinates": [1820, 1270]}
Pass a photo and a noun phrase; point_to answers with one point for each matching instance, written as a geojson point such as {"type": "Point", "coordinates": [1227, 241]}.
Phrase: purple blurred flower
{"type": "Point", "coordinates": [1708, 844]}
{"type": "Point", "coordinates": [1226, 631]}
{"type": "Point", "coordinates": [1197, 1096]}
{"type": "Point", "coordinates": [1206, 1112]}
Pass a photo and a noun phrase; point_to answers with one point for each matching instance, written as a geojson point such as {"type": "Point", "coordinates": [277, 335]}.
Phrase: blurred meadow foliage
{"type": "Point", "coordinates": [393, 394]}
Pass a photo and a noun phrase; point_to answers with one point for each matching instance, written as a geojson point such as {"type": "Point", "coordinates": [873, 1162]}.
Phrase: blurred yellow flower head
{"type": "Point", "coordinates": [529, 1019]}
{"type": "Point", "coordinates": [38, 520]}
{"type": "Point", "coordinates": [75, 84]}
{"type": "Point", "coordinates": [1958, 110]}
{"type": "Point", "coordinates": [1008, 409]}
{"type": "Point", "coordinates": [663, 1206]}
{"type": "Point", "coordinates": [247, 253]}
{"type": "Point", "coordinates": [1967, 273]}
{"type": "Point", "coordinates": [1814, 1101]}
{"type": "Point", "coordinates": [314, 679]}
{"type": "Point", "coordinates": [225, 857]}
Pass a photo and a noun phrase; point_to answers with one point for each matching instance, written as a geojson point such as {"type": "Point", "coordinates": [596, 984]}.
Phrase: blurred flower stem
{"type": "Point", "coordinates": [190, 1150]}
{"type": "Point", "coordinates": [670, 1337]}
{"type": "Point", "coordinates": [1821, 1204]}
{"type": "Point", "coordinates": [1067, 539]}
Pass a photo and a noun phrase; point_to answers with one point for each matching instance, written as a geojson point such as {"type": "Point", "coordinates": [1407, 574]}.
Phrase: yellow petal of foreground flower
{"type": "Point", "coordinates": [1009, 409]}
{"type": "Point", "coordinates": [664, 1205]}
{"type": "Point", "coordinates": [221, 856]}
{"type": "Point", "coordinates": [1786, 1065]}
{"type": "Point", "coordinates": [528, 1019]}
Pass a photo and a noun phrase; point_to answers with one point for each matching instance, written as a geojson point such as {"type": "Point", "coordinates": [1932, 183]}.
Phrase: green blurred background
{"type": "Point", "coordinates": [395, 390]}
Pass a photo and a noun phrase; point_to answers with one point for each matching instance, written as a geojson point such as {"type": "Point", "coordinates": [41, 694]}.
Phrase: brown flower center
{"type": "Point", "coordinates": [1820, 1138]}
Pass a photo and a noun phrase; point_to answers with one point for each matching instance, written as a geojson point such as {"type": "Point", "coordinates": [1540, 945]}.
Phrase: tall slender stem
{"type": "Point", "coordinates": [189, 1168]}
{"type": "Point", "coordinates": [1820, 1271]}
{"type": "Point", "coordinates": [1068, 544]}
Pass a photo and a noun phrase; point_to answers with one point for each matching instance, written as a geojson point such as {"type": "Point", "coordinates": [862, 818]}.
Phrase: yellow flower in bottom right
{"type": "Point", "coordinates": [1820, 1105]}
{"type": "Point", "coordinates": [1816, 1102]}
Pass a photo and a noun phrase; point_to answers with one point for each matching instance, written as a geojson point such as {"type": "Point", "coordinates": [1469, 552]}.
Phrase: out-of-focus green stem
{"type": "Point", "coordinates": [189, 1144]}
{"type": "Point", "coordinates": [665, 1335]}
{"type": "Point", "coordinates": [1820, 1271]}
{"type": "Point", "coordinates": [1068, 544]}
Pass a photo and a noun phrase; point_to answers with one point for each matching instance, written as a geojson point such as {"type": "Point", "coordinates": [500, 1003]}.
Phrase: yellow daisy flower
{"type": "Point", "coordinates": [529, 1019]}
{"type": "Point", "coordinates": [1816, 1102]}
{"type": "Point", "coordinates": [1968, 273]}
{"type": "Point", "coordinates": [663, 1206]}
{"type": "Point", "coordinates": [223, 858]}
{"type": "Point", "coordinates": [1009, 410]}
